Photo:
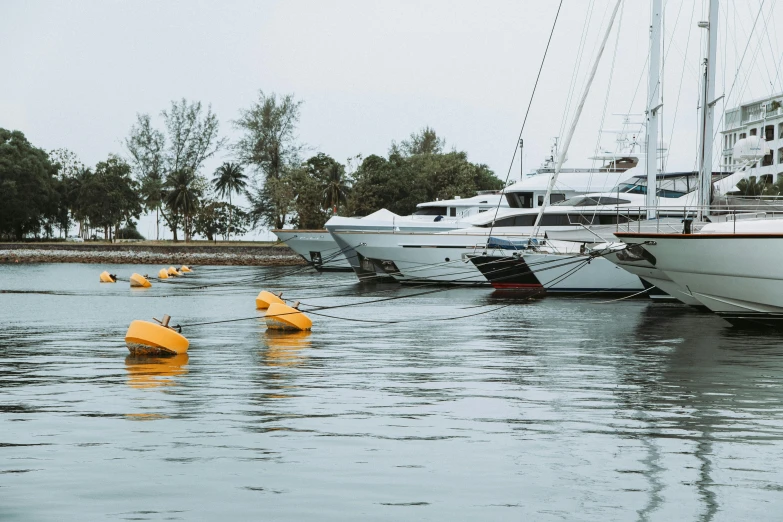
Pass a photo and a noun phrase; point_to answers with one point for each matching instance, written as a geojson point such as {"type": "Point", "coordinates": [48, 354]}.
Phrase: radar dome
{"type": "Point", "coordinates": [752, 148]}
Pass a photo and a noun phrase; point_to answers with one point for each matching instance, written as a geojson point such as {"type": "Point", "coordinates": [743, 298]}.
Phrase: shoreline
{"type": "Point", "coordinates": [267, 254]}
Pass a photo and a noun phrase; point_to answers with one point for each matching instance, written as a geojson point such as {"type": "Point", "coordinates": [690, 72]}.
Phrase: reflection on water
{"type": "Point", "coordinates": [152, 372]}
{"type": "Point", "coordinates": [551, 409]}
{"type": "Point", "coordinates": [285, 348]}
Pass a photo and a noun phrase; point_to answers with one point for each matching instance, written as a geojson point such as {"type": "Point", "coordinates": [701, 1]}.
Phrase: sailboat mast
{"type": "Point", "coordinates": [707, 112]}
{"type": "Point", "coordinates": [653, 106]}
{"type": "Point", "coordinates": [562, 153]}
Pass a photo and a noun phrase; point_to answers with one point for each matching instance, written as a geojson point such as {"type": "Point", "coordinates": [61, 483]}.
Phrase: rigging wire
{"type": "Point", "coordinates": [527, 112]}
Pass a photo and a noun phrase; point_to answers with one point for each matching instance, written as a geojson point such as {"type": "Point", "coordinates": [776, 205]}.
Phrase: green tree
{"type": "Point", "coordinates": [181, 196]}
{"type": "Point", "coordinates": [190, 137]}
{"type": "Point", "coordinates": [109, 197]}
{"type": "Point", "coordinates": [218, 218]}
{"type": "Point", "coordinates": [27, 186]}
{"type": "Point", "coordinates": [229, 179]}
{"type": "Point", "coordinates": [417, 170]}
{"type": "Point", "coordinates": [269, 144]}
{"type": "Point", "coordinates": [336, 184]}
{"type": "Point", "coordinates": [69, 166]}
{"type": "Point", "coordinates": [307, 205]}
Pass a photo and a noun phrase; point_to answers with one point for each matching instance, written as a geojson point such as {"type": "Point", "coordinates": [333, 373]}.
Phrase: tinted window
{"type": "Point", "coordinates": [430, 211]}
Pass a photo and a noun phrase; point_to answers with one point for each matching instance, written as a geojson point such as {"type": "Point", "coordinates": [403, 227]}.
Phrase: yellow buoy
{"type": "Point", "coordinates": [264, 299]}
{"type": "Point", "coordinates": [283, 317]}
{"type": "Point", "coordinates": [139, 281]}
{"type": "Point", "coordinates": [146, 338]}
{"type": "Point", "coordinates": [185, 268]}
{"type": "Point", "coordinates": [106, 277]}
{"type": "Point", "coordinates": [174, 272]}
{"type": "Point", "coordinates": [163, 274]}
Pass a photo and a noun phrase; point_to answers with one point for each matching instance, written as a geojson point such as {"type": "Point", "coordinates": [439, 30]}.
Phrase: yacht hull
{"type": "Point", "coordinates": [558, 274]}
{"type": "Point", "coordinates": [708, 267]}
{"type": "Point", "coordinates": [656, 277]}
{"type": "Point", "coordinates": [317, 247]}
{"type": "Point", "coordinates": [414, 258]}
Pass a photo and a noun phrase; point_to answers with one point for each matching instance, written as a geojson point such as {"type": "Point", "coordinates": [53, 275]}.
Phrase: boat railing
{"type": "Point", "coordinates": [633, 219]}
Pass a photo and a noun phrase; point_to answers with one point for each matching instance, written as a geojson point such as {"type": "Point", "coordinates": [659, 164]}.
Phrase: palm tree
{"type": "Point", "coordinates": [182, 196]}
{"type": "Point", "coordinates": [229, 179]}
{"type": "Point", "coordinates": [336, 188]}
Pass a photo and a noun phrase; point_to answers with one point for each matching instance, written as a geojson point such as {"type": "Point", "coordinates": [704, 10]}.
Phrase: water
{"type": "Point", "coordinates": [557, 409]}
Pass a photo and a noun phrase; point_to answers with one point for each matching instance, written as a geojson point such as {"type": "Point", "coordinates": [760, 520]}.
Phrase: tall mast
{"type": "Point", "coordinates": [562, 153]}
{"type": "Point", "coordinates": [707, 112]}
{"type": "Point", "coordinates": [653, 106]}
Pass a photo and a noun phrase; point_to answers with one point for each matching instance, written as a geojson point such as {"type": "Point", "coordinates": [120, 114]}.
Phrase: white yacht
{"type": "Point", "coordinates": [445, 257]}
{"type": "Point", "coordinates": [732, 267]}
{"type": "Point", "coordinates": [319, 248]}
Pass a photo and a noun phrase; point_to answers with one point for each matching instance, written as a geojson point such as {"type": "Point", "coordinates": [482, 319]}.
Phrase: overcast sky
{"type": "Point", "coordinates": [76, 73]}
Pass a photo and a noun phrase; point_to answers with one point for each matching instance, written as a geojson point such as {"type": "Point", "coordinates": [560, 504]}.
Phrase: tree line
{"type": "Point", "coordinates": [161, 171]}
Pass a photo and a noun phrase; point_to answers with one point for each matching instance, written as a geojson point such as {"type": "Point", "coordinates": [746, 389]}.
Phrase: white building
{"type": "Point", "coordinates": [762, 117]}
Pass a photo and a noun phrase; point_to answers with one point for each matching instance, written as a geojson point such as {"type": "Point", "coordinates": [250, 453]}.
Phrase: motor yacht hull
{"type": "Point", "coordinates": [416, 257]}
{"type": "Point", "coordinates": [737, 276]}
{"type": "Point", "coordinates": [656, 277]}
{"type": "Point", "coordinates": [317, 247]}
{"type": "Point", "coordinates": [557, 274]}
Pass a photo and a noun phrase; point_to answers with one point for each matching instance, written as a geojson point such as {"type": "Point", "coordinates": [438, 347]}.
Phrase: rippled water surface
{"type": "Point", "coordinates": [556, 409]}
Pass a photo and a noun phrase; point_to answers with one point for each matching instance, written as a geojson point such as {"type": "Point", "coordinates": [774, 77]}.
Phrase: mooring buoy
{"type": "Point", "coordinates": [174, 272]}
{"type": "Point", "coordinates": [106, 277]}
{"type": "Point", "coordinates": [163, 274]}
{"type": "Point", "coordinates": [264, 299]}
{"type": "Point", "coordinates": [139, 281]}
{"type": "Point", "coordinates": [280, 316]}
{"type": "Point", "coordinates": [185, 268]}
{"type": "Point", "coordinates": [146, 338]}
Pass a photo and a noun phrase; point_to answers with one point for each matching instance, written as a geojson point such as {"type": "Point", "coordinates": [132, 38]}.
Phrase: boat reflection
{"type": "Point", "coordinates": [154, 372]}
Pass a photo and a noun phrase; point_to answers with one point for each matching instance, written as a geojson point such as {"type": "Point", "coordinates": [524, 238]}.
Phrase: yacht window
{"type": "Point", "coordinates": [743, 135]}
{"type": "Point", "coordinates": [630, 188]}
{"type": "Point", "coordinates": [452, 212]}
{"type": "Point", "coordinates": [520, 199]}
{"type": "Point", "coordinates": [665, 193]}
{"type": "Point", "coordinates": [540, 200]}
{"type": "Point", "coordinates": [752, 132]}
{"type": "Point", "coordinates": [591, 201]}
{"type": "Point", "coordinates": [767, 161]}
{"type": "Point", "coordinates": [555, 198]}
{"type": "Point", "coordinates": [430, 211]}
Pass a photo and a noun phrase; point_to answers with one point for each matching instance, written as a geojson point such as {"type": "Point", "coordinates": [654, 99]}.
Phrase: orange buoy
{"type": "Point", "coordinates": [283, 317]}
{"type": "Point", "coordinates": [106, 277]}
{"type": "Point", "coordinates": [163, 274]}
{"type": "Point", "coordinates": [264, 299]}
{"type": "Point", "coordinates": [139, 281]}
{"type": "Point", "coordinates": [185, 268]}
{"type": "Point", "coordinates": [146, 338]}
{"type": "Point", "coordinates": [174, 272]}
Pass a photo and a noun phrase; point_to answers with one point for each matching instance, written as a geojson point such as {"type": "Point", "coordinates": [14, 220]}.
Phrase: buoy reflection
{"type": "Point", "coordinates": [153, 372]}
{"type": "Point", "coordinates": [284, 348]}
